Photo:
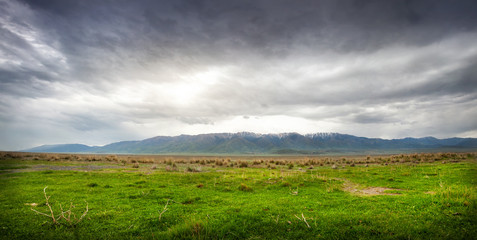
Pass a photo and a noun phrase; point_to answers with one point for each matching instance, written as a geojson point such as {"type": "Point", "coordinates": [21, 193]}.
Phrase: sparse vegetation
{"type": "Point", "coordinates": [417, 196]}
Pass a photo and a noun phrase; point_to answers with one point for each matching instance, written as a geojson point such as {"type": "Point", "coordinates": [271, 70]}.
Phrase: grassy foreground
{"type": "Point", "coordinates": [419, 196]}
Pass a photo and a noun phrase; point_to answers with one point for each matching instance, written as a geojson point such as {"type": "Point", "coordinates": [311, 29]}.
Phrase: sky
{"type": "Point", "coordinates": [97, 72]}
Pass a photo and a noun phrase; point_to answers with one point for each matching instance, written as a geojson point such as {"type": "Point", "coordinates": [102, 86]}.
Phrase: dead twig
{"type": "Point", "coordinates": [51, 215]}
{"type": "Point", "coordinates": [40, 212]}
{"type": "Point", "coordinates": [164, 210]}
{"type": "Point", "coordinates": [294, 192]}
{"type": "Point", "coordinates": [62, 215]}
{"type": "Point", "coordinates": [303, 219]}
{"type": "Point", "coordinates": [84, 214]}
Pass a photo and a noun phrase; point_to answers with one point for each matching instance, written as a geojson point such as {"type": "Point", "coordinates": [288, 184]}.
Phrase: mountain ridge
{"type": "Point", "coordinates": [256, 143]}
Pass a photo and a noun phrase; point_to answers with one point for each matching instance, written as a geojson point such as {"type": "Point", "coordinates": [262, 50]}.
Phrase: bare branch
{"type": "Point", "coordinates": [303, 219]}
{"type": "Point", "coordinates": [163, 211]}
{"type": "Point", "coordinates": [84, 214]}
{"type": "Point", "coordinates": [49, 206]}
{"type": "Point", "coordinates": [40, 212]}
{"type": "Point", "coordinates": [61, 215]}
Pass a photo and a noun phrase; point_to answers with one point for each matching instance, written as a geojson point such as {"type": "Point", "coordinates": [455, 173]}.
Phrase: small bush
{"type": "Point", "coordinates": [191, 169]}
{"type": "Point", "coordinates": [243, 164]}
{"type": "Point", "coordinates": [168, 168]}
{"type": "Point", "coordinates": [245, 188]}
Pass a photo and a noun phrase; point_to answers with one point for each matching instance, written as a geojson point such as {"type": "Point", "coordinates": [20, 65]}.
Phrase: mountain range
{"type": "Point", "coordinates": [254, 143]}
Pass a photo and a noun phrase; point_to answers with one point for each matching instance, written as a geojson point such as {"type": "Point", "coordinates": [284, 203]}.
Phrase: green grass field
{"type": "Point", "coordinates": [386, 197]}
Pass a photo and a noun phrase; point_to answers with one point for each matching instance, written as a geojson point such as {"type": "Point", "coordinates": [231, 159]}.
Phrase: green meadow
{"type": "Point", "coordinates": [416, 196]}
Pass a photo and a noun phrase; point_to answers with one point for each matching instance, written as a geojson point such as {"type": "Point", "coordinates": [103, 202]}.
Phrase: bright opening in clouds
{"type": "Point", "coordinates": [96, 72]}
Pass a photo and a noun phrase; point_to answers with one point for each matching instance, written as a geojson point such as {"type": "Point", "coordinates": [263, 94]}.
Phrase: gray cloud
{"type": "Point", "coordinates": [370, 118]}
{"type": "Point", "coordinates": [106, 71]}
{"type": "Point", "coordinates": [193, 121]}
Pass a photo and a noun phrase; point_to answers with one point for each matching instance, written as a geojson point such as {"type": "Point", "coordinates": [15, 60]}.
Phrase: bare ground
{"type": "Point", "coordinates": [355, 188]}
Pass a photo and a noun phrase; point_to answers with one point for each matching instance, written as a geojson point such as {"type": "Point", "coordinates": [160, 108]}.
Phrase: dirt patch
{"type": "Point", "coordinates": [354, 188]}
{"type": "Point", "coordinates": [379, 191]}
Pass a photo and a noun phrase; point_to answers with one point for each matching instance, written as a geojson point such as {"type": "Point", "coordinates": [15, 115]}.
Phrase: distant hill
{"type": "Point", "coordinates": [253, 143]}
{"type": "Point", "coordinates": [62, 148]}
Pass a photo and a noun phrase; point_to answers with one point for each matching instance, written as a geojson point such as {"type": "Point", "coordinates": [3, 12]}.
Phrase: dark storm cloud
{"type": "Point", "coordinates": [210, 27]}
{"type": "Point", "coordinates": [460, 81]}
{"type": "Point", "coordinates": [142, 66]}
